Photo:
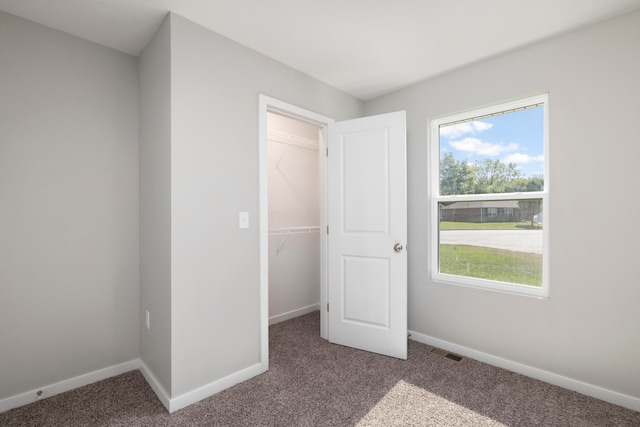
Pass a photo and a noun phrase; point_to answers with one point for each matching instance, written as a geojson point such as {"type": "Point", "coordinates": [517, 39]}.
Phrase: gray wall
{"type": "Point", "coordinates": [69, 295]}
{"type": "Point", "coordinates": [588, 329]}
{"type": "Point", "coordinates": [214, 284]}
{"type": "Point", "coordinates": [155, 206]}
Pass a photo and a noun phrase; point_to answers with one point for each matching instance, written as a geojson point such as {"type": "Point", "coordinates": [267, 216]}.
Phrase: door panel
{"type": "Point", "coordinates": [366, 291]}
{"type": "Point", "coordinates": [367, 217]}
{"type": "Point", "coordinates": [366, 187]}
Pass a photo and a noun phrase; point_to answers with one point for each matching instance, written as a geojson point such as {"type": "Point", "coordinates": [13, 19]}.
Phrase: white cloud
{"type": "Point", "coordinates": [519, 158]}
{"type": "Point", "coordinates": [481, 126]}
{"type": "Point", "coordinates": [483, 148]}
{"type": "Point", "coordinates": [456, 131]}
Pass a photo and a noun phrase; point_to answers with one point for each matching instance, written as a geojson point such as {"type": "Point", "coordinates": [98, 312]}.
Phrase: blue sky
{"type": "Point", "coordinates": [511, 138]}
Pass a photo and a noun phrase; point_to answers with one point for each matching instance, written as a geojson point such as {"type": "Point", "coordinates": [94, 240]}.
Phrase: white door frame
{"type": "Point", "coordinates": [268, 104]}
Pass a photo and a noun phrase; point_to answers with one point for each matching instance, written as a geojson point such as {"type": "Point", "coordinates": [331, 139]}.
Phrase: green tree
{"type": "Point", "coordinates": [456, 177]}
{"type": "Point", "coordinates": [530, 208]}
{"type": "Point", "coordinates": [522, 184]}
{"type": "Point", "coordinates": [492, 176]}
{"type": "Point", "coordinates": [486, 177]}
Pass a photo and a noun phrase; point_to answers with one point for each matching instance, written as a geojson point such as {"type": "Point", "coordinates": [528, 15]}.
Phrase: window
{"type": "Point", "coordinates": [489, 188]}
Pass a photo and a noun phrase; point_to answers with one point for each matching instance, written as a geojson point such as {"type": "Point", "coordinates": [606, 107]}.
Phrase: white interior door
{"type": "Point", "coordinates": [367, 218]}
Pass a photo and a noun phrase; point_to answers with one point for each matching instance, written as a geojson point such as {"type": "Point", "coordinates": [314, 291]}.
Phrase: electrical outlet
{"type": "Point", "coordinates": [148, 319]}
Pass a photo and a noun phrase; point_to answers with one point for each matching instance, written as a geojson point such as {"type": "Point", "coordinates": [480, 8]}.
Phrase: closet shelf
{"type": "Point", "coordinates": [293, 230]}
{"type": "Point", "coordinates": [289, 139]}
{"type": "Point", "coordinates": [287, 232]}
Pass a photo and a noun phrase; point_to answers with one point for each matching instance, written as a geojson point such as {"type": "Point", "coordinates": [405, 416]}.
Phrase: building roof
{"type": "Point", "coordinates": [485, 204]}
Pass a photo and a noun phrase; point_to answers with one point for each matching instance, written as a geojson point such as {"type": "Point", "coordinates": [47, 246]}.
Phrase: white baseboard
{"type": "Point", "coordinates": [539, 374]}
{"type": "Point", "coordinates": [170, 404]}
{"type": "Point", "coordinates": [213, 388]}
{"type": "Point", "coordinates": [66, 385]}
{"type": "Point", "coordinates": [293, 313]}
{"type": "Point", "coordinates": [155, 385]}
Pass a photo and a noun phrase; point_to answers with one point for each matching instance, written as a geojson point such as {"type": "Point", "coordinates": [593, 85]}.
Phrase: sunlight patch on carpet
{"type": "Point", "coordinates": [408, 405]}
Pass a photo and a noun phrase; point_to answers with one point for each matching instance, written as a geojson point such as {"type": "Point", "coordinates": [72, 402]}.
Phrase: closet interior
{"type": "Point", "coordinates": [294, 217]}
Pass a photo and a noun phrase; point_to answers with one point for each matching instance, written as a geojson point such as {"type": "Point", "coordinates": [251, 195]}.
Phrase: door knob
{"type": "Point", "coordinates": [397, 247]}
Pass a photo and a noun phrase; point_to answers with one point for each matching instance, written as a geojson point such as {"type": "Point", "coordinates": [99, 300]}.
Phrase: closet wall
{"type": "Point", "coordinates": [294, 218]}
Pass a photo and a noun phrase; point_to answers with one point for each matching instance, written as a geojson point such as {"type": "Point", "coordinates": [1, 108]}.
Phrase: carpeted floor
{"type": "Point", "coordinates": [313, 383]}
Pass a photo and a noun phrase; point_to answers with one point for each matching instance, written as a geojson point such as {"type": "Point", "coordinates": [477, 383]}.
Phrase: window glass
{"type": "Point", "coordinates": [477, 242]}
{"type": "Point", "coordinates": [499, 154]}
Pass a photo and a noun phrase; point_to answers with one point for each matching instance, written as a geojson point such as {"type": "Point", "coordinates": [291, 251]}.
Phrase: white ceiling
{"type": "Point", "coordinates": [364, 47]}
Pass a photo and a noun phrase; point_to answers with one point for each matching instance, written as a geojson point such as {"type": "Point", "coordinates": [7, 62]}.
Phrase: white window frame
{"type": "Point", "coordinates": [435, 198]}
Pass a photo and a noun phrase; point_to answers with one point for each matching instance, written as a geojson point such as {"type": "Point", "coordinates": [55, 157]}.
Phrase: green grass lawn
{"type": "Point", "coordinates": [491, 264]}
{"type": "Point", "coordinates": [450, 225]}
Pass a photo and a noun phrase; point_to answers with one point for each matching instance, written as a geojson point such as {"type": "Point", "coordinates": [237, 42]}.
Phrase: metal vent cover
{"type": "Point", "coordinates": [445, 353]}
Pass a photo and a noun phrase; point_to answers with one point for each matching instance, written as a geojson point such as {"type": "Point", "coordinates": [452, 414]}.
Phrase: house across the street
{"type": "Point", "coordinates": [489, 211]}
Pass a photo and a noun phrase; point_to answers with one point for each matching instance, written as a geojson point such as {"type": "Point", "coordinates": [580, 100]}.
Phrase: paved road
{"type": "Point", "coordinates": [512, 240]}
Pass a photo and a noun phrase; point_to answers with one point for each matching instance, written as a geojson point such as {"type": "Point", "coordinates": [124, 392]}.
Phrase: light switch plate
{"type": "Point", "coordinates": [244, 219]}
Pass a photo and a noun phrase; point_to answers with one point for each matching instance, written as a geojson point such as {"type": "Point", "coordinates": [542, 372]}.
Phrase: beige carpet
{"type": "Point", "coordinates": [314, 383]}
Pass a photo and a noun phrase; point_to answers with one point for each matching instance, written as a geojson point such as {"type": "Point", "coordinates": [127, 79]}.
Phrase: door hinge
{"type": "Point", "coordinates": [327, 151]}
{"type": "Point", "coordinates": [327, 307]}
{"type": "Point", "coordinates": [327, 229]}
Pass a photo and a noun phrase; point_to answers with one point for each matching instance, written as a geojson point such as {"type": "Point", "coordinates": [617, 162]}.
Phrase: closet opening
{"type": "Point", "coordinates": [294, 205]}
